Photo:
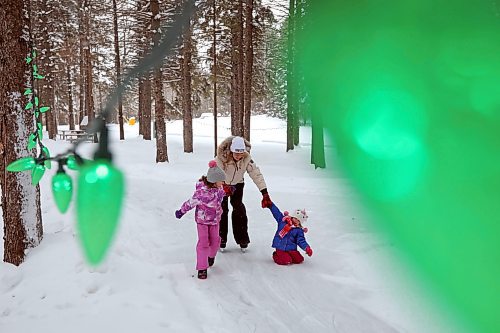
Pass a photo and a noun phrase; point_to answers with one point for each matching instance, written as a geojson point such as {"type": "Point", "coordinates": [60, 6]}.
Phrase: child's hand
{"type": "Point", "coordinates": [228, 189]}
{"type": "Point", "coordinates": [309, 251]}
{"type": "Point", "coordinates": [178, 214]}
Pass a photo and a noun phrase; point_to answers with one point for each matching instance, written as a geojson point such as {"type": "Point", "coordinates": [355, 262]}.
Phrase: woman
{"type": "Point", "coordinates": [233, 156]}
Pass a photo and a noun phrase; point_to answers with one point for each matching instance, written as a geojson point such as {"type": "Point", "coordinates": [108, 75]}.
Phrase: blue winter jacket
{"type": "Point", "coordinates": [293, 238]}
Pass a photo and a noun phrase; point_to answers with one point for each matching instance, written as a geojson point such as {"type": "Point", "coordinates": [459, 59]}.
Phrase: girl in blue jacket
{"type": "Point", "coordinates": [289, 235]}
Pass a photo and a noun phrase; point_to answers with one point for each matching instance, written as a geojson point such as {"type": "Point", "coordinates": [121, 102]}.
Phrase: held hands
{"type": "Point", "coordinates": [228, 189]}
{"type": "Point", "coordinates": [266, 201]}
{"type": "Point", "coordinates": [309, 251]}
{"type": "Point", "coordinates": [178, 214]}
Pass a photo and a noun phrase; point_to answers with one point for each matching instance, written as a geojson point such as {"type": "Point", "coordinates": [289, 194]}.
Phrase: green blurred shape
{"type": "Point", "coordinates": [22, 164]}
{"type": "Point", "coordinates": [72, 163]}
{"type": "Point", "coordinates": [410, 92]}
{"type": "Point", "coordinates": [99, 201]}
{"type": "Point", "coordinates": [39, 131]}
{"type": "Point", "coordinates": [46, 154]}
{"type": "Point", "coordinates": [31, 141]}
{"type": "Point", "coordinates": [62, 190]}
{"type": "Point", "coordinates": [37, 174]}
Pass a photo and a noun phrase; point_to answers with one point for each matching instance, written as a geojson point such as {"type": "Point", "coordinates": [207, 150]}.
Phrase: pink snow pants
{"type": "Point", "coordinates": [208, 244]}
{"type": "Point", "coordinates": [287, 257]}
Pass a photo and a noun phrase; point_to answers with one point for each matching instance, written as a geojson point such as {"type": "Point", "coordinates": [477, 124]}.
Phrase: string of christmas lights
{"type": "Point", "coordinates": [100, 184]}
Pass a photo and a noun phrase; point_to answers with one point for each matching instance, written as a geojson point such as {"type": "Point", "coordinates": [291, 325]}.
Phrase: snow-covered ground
{"type": "Point", "coordinates": [147, 284]}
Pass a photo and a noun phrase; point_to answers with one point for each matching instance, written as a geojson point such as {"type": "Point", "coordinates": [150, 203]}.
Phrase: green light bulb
{"type": "Point", "coordinates": [75, 163]}
{"type": "Point", "coordinates": [22, 164]}
{"type": "Point", "coordinates": [37, 173]}
{"type": "Point", "coordinates": [99, 201]}
{"type": "Point", "coordinates": [71, 163]}
{"type": "Point", "coordinates": [62, 189]}
{"type": "Point", "coordinates": [45, 152]}
{"type": "Point", "coordinates": [409, 93]}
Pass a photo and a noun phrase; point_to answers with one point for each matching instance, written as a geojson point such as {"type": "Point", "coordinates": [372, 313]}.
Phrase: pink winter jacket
{"type": "Point", "coordinates": [207, 202]}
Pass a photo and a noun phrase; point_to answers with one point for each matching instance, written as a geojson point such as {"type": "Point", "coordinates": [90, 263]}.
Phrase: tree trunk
{"type": "Point", "coordinates": [290, 112]}
{"type": "Point", "coordinates": [186, 93]}
{"type": "Point", "coordinates": [20, 200]}
{"type": "Point", "coordinates": [71, 115]}
{"type": "Point", "coordinates": [46, 69]}
{"type": "Point", "coordinates": [145, 80]}
{"type": "Point", "coordinates": [234, 79]}
{"type": "Point", "coordinates": [296, 74]}
{"type": "Point", "coordinates": [88, 67]}
{"type": "Point", "coordinates": [317, 141]}
{"type": "Point", "coordinates": [146, 112]}
{"type": "Point", "coordinates": [240, 82]}
{"type": "Point", "coordinates": [161, 136]}
{"type": "Point", "coordinates": [81, 63]}
{"type": "Point", "coordinates": [118, 74]}
{"type": "Point", "coordinates": [215, 75]}
{"type": "Point", "coordinates": [248, 68]}
{"type": "Point", "coordinates": [140, 104]}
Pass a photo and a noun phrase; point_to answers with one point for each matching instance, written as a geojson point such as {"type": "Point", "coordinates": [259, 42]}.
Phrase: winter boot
{"type": "Point", "coordinates": [243, 247]}
{"type": "Point", "coordinates": [211, 261]}
{"type": "Point", "coordinates": [222, 245]}
{"type": "Point", "coordinates": [202, 274]}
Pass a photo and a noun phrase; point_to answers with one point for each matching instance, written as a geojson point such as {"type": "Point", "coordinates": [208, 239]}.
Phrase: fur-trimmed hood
{"type": "Point", "coordinates": [235, 170]}
{"type": "Point", "coordinates": [224, 151]}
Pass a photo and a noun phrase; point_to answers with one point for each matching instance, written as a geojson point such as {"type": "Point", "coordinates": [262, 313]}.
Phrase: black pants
{"type": "Point", "coordinates": [238, 217]}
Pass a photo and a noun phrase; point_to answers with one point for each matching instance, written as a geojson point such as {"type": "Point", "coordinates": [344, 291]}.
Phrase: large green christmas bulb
{"type": "Point", "coordinates": [22, 164]}
{"type": "Point", "coordinates": [62, 189]}
{"type": "Point", "coordinates": [410, 93]}
{"type": "Point", "coordinates": [99, 201]}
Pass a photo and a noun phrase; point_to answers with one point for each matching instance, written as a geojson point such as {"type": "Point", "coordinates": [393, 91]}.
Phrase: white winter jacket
{"type": "Point", "coordinates": [235, 171]}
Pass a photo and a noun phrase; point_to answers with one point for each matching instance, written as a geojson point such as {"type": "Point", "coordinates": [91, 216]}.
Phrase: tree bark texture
{"type": "Point", "coordinates": [187, 111]}
{"type": "Point", "coordinates": [20, 200]}
{"type": "Point", "coordinates": [161, 136]}
{"type": "Point", "coordinates": [81, 63]}
{"type": "Point", "coordinates": [46, 69]}
{"type": "Point", "coordinates": [146, 111]}
{"type": "Point", "coordinates": [240, 65]}
{"type": "Point", "coordinates": [89, 95]}
{"type": "Point", "coordinates": [290, 111]}
{"type": "Point", "coordinates": [248, 68]}
{"type": "Point", "coordinates": [71, 111]}
{"type": "Point", "coordinates": [214, 50]}
{"type": "Point", "coordinates": [118, 72]}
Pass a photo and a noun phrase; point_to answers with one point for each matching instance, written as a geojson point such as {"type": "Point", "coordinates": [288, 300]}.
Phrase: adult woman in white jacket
{"type": "Point", "coordinates": [233, 156]}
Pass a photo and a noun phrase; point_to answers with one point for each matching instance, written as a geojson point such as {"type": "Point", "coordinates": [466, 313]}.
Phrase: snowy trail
{"type": "Point", "coordinates": [148, 283]}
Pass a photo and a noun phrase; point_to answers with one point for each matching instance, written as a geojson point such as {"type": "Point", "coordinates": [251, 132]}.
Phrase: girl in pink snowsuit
{"type": "Point", "coordinates": [207, 199]}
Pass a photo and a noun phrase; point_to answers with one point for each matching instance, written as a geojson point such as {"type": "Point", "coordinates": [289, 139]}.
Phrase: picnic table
{"type": "Point", "coordinates": [75, 135]}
